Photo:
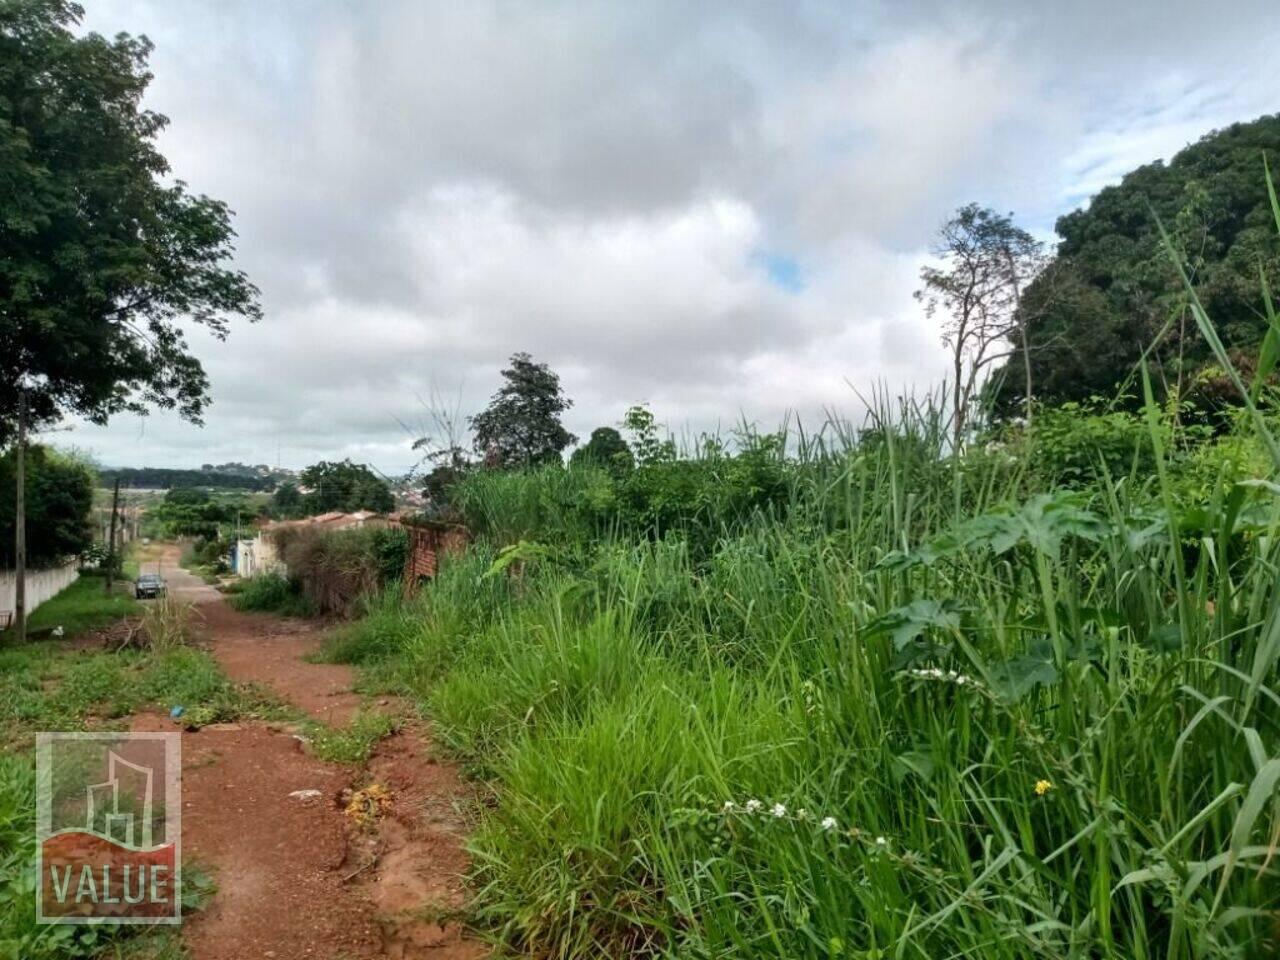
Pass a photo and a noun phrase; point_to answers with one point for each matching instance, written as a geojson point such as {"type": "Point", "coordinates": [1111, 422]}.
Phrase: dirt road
{"type": "Point", "coordinates": [296, 878]}
{"type": "Point", "coordinates": [163, 558]}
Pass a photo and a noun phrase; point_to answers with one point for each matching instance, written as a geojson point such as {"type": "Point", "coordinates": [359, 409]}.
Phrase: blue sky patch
{"type": "Point", "coordinates": [783, 272]}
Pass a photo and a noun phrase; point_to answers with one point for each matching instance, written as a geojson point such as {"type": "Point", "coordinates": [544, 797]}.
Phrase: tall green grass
{"type": "Point", "coordinates": [896, 683]}
{"type": "Point", "coordinates": [927, 705]}
{"type": "Point", "coordinates": [272, 593]}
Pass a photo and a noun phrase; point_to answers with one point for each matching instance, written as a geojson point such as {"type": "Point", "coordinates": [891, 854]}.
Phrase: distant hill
{"type": "Point", "coordinates": [162, 478]}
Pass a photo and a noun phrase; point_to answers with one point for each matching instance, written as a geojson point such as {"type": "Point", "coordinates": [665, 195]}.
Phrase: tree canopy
{"type": "Point", "coordinates": [1113, 289]}
{"type": "Point", "coordinates": [191, 512]}
{"type": "Point", "coordinates": [607, 449]}
{"type": "Point", "coordinates": [521, 426]}
{"type": "Point", "coordinates": [286, 502]}
{"type": "Point", "coordinates": [163, 478]}
{"type": "Point", "coordinates": [344, 486]}
{"type": "Point", "coordinates": [101, 254]}
{"type": "Point", "coordinates": [59, 501]}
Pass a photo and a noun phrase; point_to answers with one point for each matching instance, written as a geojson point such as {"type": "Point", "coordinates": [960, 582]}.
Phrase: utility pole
{"type": "Point", "coordinates": [20, 522]}
{"type": "Point", "coordinates": [111, 542]}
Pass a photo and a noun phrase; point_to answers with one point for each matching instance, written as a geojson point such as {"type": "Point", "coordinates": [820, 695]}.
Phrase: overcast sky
{"type": "Point", "coordinates": [719, 209]}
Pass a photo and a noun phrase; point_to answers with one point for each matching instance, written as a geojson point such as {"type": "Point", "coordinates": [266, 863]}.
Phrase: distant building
{"type": "Point", "coordinates": [252, 558]}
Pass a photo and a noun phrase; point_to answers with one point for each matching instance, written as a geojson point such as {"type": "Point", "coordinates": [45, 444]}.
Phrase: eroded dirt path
{"type": "Point", "coordinates": [270, 651]}
{"type": "Point", "coordinates": [276, 859]}
{"type": "Point", "coordinates": [296, 878]}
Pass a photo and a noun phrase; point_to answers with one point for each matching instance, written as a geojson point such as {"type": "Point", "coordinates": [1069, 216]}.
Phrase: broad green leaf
{"type": "Point", "coordinates": [1014, 679]}
{"type": "Point", "coordinates": [907, 623]}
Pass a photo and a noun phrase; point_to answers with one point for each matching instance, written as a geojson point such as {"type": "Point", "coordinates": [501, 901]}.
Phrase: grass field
{"type": "Point", "coordinates": [80, 608]}
{"type": "Point", "coordinates": [860, 694]}
{"type": "Point", "coordinates": [930, 707]}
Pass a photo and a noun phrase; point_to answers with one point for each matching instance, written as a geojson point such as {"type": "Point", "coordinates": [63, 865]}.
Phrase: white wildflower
{"type": "Point", "coordinates": [728, 806]}
{"type": "Point", "coordinates": [937, 673]}
{"type": "Point", "coordinates": [779, 811]}
{"type": "Point", "coordinates": [753, 806]}
{"type": "Point", "coordinates": [828, 823]}
{"type": "Point", "coordinates": [881, 842]}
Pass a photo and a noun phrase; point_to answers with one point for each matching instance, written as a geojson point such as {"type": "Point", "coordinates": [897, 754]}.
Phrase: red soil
{"type": "Point", "coordinates": [297, 879]}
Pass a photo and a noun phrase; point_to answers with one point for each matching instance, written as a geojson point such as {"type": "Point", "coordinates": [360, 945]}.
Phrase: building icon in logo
{"type": "Point", "coordinates": [102, 801]}
{"type": "Point", "coordinates": [108, 826]}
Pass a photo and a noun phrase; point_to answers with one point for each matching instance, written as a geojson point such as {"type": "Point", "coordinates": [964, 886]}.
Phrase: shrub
{"type": "Point", "coordinates": [1070, 444]}
{"type": "Point", "coordinates": [272, 593]}
{"type": "Point", "coordinates": [167, 623]}
{"type": "Point", "coordinates": [207, 558]}
{"type": "Point", "coordinates": [333, 570]}
{"type": "Point", "coordinates": [59, 503]}
{"type": "Point", "coordinates": [699, 498]}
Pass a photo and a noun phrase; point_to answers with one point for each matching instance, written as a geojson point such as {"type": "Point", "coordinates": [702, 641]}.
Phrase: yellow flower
{"type": "Point", "coordinates": [1043, 787]}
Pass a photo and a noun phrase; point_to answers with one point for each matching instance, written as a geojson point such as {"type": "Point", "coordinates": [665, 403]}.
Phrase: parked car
{"type": "Point", "coordinates": [149, 586]}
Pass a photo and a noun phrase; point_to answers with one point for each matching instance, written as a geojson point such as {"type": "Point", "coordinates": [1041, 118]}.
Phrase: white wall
{"type": "Point", "coordinates": [246, 558]}
{"type": "Point", "coordinates": [41, 585]}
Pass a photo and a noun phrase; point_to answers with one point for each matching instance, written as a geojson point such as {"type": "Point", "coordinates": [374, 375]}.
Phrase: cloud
{"type": "Point", "coordinates": [716, 208]}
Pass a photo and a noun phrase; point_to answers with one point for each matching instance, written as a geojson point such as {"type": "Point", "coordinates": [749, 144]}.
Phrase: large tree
{"type": "Point", "coordinates": [985, 261]}
{"type": "Point", "coordinates": [286, 501]}
{"type": "Point", "coordinates": [1113, 290]}
{"type": "Point", "coordinates": [102, 255]}
{"type": "Point", "coordinates": [59, 505]}
{"type": "Point", "coordinates": [521, 426]}
{"type": "Point", "coordinates": [345, 486]}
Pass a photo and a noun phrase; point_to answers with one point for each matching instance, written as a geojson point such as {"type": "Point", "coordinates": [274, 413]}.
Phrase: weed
{"type": "Point", "coordinates": [353, 743]}
{"type": "Point", "coordinates": [931, 709]}
{"type": "Point", "coordinates": [272, 593]}
{"type": "Point", "coordinates": [82, 607]}
{"type": "Point", "coordinates": [167, 623]}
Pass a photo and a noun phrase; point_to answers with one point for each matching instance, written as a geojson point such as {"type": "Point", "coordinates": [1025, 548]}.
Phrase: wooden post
{"type": "Point", "coordinates": [20, 522]}
{"type": "Point", "coordinates": [111, 540]}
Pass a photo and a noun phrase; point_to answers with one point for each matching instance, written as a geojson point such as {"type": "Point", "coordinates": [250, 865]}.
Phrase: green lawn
{"type": "Point", "coordinates": [81, 607]}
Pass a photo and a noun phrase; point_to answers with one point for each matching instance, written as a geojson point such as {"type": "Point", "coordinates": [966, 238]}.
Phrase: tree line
{"type": "Point", "coordinates": [165, 478]}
